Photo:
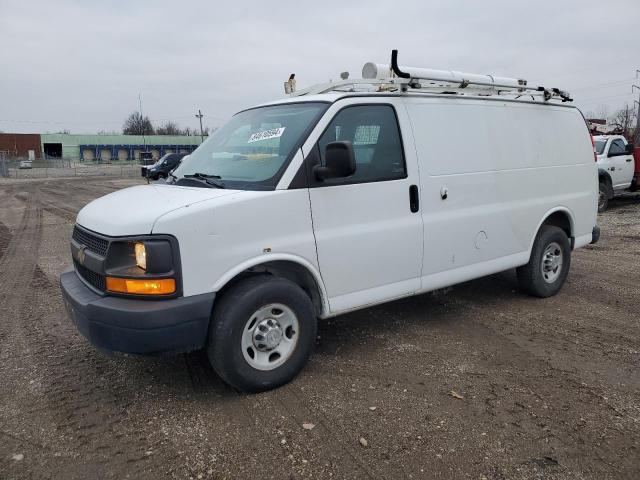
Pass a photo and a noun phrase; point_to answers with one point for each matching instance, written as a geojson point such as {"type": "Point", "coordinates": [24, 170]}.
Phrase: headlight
{"type": "Point", "coordinates": [143, 266]}
{"type": "Point", "coordinates": [141, 255]}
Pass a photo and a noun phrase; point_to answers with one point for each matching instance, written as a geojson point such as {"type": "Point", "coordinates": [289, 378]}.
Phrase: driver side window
{"type": "Point", "coordinates": [617, 147]}
{"type": "Point", "coordinates": [374, 135]}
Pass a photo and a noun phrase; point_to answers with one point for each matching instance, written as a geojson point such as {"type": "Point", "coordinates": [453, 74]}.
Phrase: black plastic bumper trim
{"type": "Point", "coordinates": [134, 325]}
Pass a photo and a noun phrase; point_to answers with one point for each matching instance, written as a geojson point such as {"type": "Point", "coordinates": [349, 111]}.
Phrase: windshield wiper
{"type": "Point", "coordinates": [213, 180]}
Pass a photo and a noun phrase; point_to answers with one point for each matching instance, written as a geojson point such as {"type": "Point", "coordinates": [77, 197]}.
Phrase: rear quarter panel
{"type": "Point", "coordinates": [506, 166]}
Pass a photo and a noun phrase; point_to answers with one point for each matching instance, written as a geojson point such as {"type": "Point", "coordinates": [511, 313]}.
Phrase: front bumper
{"type": "Point", "coordinates": [137, 326]}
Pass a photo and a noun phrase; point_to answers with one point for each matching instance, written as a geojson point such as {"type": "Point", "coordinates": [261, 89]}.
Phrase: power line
{"type": "Point", "coordinates": [601, 85]}
{"type": "Point", "coordinates": [94, 120]}
{"type": "Point", "coordinates": [599, 99]}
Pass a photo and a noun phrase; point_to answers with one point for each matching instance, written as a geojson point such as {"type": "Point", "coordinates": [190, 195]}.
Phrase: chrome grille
{"type": "Point", "coordinates": [93, 243]}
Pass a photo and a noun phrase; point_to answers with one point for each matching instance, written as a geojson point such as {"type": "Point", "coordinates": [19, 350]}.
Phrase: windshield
{"type": "Point", "coordinates": [600, 144]}
{"type": "Point", "coordinates": [252, 150]}
{"type": "Point", "coordinates": [160, 160]}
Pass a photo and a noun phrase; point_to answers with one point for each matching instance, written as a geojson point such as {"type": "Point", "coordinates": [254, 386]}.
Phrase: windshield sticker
{"type": "Point", "coordinates": [266, 134]}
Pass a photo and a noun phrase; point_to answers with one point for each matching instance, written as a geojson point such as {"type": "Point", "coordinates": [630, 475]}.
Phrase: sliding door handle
{"type": "Point", "coordinates": [414, 198]}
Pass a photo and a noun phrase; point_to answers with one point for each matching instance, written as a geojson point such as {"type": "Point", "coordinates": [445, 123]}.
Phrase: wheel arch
{"type": "Point", "coordinates": [293, 268]}
{"type": "Point", "coordinates": [605, 177]}
{"type": "Point", "coordinates": [560, 217]}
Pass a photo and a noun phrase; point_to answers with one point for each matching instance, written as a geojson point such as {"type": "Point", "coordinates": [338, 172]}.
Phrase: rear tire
{"type": "Point", "coordinates": [603, 197]}
{"type": "Point", "coordinates": [262, 333]}
{"type": "Point", "coordinates": [549, 264]}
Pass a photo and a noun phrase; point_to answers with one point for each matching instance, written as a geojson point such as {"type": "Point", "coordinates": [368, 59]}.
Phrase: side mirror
{"type": "Point", "coordinates": [630, 148]}
{"type": "Point", "coordinates": [339, 161]}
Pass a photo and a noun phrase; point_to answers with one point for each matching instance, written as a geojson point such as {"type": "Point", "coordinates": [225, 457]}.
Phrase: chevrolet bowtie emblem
{"type": "Point", "coordinates": [81, 255]}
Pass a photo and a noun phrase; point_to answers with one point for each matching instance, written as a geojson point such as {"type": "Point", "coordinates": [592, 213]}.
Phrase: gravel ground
{"type": "Point", "coordinates": [477, 381]}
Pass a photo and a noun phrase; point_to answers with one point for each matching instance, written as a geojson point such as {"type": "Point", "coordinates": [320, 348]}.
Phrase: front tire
{"type": "Point", "coordinates": [603, 197]}
{"type": "Point", "coordinates": [262, 333]}
{"type": "Point", "coordinates": [549, 264]}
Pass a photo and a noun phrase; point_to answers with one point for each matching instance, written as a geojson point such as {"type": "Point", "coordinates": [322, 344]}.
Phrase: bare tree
{"type": "Point", "coordinates": [603, 111]}
{"type": "Point", "coordinates": [136, 124]}
{"type": "Point", "coordinates": [624, 120]}
{"type": "Point", "coordinates": [169, 128]}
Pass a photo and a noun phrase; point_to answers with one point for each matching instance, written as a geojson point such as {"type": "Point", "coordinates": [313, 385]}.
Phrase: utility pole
{"type": "Point", "coordinates": [199, 116]}
{"type": "Point", "coordinates": [637, 132]}
{"type": "Point", "coordinates": [144, 139]}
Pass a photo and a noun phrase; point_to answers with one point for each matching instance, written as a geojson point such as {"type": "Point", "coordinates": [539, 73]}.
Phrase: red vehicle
{"type": "Point", "coordinates": [636, 175]}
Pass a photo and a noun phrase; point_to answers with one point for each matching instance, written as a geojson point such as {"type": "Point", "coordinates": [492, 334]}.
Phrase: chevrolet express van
{"type": "Point", "coordinates": [334, 199]}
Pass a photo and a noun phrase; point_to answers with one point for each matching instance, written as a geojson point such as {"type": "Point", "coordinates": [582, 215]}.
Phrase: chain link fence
{"type": "Point", "coordinates": [65, 167]}
{"type": "Point", "coordinates": [4, 165]}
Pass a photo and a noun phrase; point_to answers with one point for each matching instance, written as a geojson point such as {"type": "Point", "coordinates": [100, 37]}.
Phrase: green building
{"type": "Point", "coordinates": [110, 148]}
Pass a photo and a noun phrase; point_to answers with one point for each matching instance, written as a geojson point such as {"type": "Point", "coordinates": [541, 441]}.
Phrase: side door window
{"type": "Point", "coordinates": [617, 147]}
{"type": "Point", "coordinates": [377, 145]}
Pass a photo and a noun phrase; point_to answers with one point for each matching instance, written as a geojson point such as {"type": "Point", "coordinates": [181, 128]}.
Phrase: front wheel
{"type": "Point", "coordinates": [549, 264]}
{"type": "Point", "coordinates": [603, 197]}
{"type": "Point", "coordinates": [262, 333]}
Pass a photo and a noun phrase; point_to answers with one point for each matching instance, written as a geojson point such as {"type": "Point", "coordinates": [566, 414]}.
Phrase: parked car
{"type": "Point", "coordinates": [616, 167]}
{"type": "Point", "coordinates": [163, 166]}
{"type": "Point", "coordinates": [25, 164]}
{"type": "Point", "coordinates": [330, 201]}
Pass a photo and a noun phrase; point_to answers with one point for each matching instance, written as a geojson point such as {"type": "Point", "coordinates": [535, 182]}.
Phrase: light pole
{"type": "Point", "coordinates": [199, 117]}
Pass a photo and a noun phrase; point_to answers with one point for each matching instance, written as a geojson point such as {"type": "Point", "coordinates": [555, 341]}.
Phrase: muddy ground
{"type": "Point", "coordinates": [549, 388]}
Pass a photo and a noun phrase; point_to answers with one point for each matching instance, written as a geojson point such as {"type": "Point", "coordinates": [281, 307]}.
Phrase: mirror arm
{"type": "Point", "coordinates": [319, 172]}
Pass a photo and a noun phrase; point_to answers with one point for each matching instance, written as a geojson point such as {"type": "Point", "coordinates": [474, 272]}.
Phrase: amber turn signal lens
{"type": "Point", "coordinates": [162, 286]}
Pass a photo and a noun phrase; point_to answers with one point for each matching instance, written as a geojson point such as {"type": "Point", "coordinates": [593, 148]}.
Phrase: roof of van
{"type": "Point", "coordinates": [333, 96]}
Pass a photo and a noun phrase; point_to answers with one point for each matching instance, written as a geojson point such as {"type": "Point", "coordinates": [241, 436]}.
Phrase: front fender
{"type": "Point", "coordinates": [605, 177]}
{"type": "Point", "coordinates": [229, 275]}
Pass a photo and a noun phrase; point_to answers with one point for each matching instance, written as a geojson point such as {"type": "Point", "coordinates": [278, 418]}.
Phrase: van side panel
{"type": "Point", "coordinates": [503, 167]}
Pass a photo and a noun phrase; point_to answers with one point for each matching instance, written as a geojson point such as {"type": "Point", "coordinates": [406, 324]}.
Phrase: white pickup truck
{"type": "Point", "coordinates": [615, 167]}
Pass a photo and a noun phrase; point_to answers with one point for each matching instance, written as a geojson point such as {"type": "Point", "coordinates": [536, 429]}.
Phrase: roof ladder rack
{"type": "Point", "coordinates": [383, 77]}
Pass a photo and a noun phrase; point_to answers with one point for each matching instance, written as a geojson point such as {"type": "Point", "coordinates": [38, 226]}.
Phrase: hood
{"type": "Point", "coordinates": [134, 211]}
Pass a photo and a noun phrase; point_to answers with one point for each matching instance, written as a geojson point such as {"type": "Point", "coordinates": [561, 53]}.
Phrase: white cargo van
{"type": "Point", "coordinates": [336, 198]}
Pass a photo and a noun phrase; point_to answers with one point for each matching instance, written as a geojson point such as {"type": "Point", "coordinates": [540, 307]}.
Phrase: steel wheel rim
{"type": "Point", "coordinates": [270, 336]}
{"type": "Point", "coordinates": [601, 200]}
{"type": "Point", "coordinates": [551, 266]}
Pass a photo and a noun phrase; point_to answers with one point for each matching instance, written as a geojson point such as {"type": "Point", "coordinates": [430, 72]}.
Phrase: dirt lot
{"type": "Point", "coordinates": [549, 388]}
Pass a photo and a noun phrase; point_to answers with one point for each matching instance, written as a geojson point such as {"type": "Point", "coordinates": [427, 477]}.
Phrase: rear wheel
{"type": "Point", "coordinates": [603, 197]}
{"type": "Point", "coordinates": [262, 333]}
{"type": "Point", "coordinates": [549, 264]}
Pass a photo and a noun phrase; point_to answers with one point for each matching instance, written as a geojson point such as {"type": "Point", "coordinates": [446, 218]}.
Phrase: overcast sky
{"type": "Point", "coordinates": [80, 65]}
